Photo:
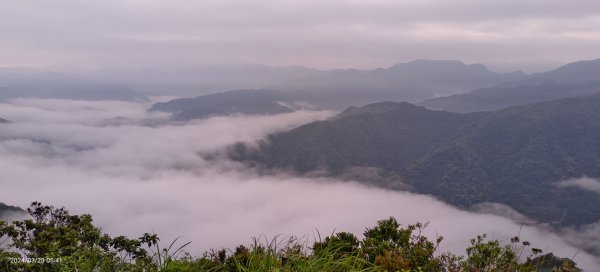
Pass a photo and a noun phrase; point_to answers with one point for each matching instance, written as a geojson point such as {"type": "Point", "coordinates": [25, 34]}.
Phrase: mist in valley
{"type": "Point", "coordinates": [132, 111]}
{"type": "Point", "coordinates": [136, 172]}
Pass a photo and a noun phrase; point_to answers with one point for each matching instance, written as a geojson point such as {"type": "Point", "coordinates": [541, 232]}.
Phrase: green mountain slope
{"type": "Point", "coordinates": [412, 81]}
{"type": "Point", "coordinates": [513, 156]}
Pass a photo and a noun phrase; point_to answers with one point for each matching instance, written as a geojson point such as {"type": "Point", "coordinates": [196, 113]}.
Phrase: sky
{"type": "Point", "coordinates": [136, 172]}
{"type": "Point", "coordinates": [532, 36]}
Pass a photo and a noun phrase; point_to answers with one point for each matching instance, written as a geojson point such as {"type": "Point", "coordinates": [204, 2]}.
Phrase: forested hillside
{"type": "Point", "coordinates": [513, 156]}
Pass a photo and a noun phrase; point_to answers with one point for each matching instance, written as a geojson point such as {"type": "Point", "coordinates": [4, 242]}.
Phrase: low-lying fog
{"type": "Point", "coordinates": [136, 173]}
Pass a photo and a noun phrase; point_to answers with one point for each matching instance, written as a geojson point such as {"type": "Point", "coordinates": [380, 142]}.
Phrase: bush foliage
{"type": "Point", "coordinates": [54, 240]}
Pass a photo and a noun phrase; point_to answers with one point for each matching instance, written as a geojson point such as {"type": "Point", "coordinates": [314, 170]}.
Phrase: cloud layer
{"type": "Point", "coordinates": [136, 173]}
{"type": "Point", "coordinates": [588, 184]}
{"type": "Point", "coordinates": [340, 33]}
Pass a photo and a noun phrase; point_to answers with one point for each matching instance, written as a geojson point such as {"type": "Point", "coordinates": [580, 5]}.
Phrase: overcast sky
{"type": "Point", "coordinates": [505, 35]}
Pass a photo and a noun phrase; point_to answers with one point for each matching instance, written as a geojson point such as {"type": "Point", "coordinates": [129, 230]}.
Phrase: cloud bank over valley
{"type": "Point", "coordinates": [135, 171]}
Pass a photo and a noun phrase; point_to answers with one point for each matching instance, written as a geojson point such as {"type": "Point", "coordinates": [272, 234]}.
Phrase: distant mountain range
{"type": "Point", "coordinates": [36, 83]}
{"type": "Point", "coordinates": [281, 89]}
{"type": "Point", "coordinates": [406, 81]}
{"type": "Point", "coordinates": [337, 89]}
{"type": "Point", "coordinates": [513, 156]}
{"type": "Point", "coordinates": [574, 79]}
{"type": "Point", "coordinates": [70, 90]}
{"type": "Point", "coordinates": [412, 81]}
{"type": "Point", "coordinates": [575, 72]}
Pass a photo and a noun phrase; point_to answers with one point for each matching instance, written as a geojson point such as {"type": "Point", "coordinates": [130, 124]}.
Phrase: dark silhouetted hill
{"type": "Point", "coordinates": [228, 103]}
{"type": "Point", "coordinates": [8, 211]}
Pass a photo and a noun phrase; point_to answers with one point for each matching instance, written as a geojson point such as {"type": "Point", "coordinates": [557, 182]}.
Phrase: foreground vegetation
{"type": "Point", "coordinates": [54, 240]}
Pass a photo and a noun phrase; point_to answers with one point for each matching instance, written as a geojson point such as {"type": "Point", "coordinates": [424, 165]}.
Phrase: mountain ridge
{"type": "Point", "coordinates": [464, 159]}
{"type": "Point", "coordinates": [337, 89]}
{"type": "Point", "coordinates": [573, 79]}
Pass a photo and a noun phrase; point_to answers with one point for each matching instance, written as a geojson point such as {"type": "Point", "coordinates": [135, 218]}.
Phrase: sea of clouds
{"type": "Point", "coordinates": [136, 172]}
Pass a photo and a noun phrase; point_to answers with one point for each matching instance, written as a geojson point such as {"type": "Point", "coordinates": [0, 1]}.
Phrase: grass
{"type": "Point", "coordinates": [273, 255]}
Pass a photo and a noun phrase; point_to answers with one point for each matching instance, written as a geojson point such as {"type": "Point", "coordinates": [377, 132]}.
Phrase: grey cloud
{"type": "Point", "coordinates": [314, 33]}
{"type": "Point", "coordinates": [588, 184]}
{"type": "Point", "coordinates": [135, 178]}
{"type": "Point", "coordinates": [501, 210]}
{"type": "Point", "coordinates": [587, 237]}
